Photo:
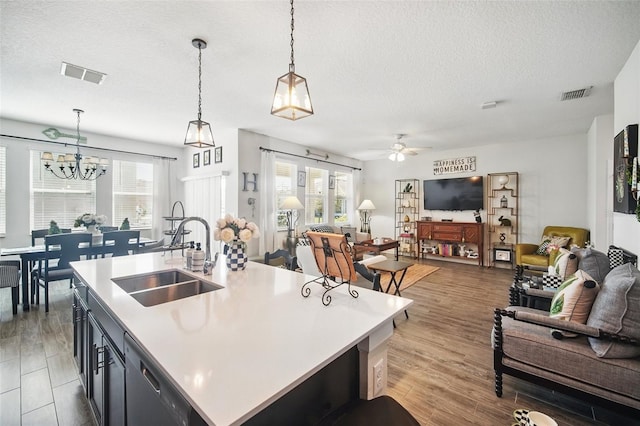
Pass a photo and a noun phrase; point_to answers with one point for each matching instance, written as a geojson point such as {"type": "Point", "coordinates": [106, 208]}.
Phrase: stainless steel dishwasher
{"type": "Point", "coordinates": [151, 399]}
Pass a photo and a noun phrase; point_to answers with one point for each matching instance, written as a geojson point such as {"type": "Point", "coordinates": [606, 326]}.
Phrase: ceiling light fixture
{"type": "Point", "coordinates": [292, 100]}
{"type": "Point", "coordinates": [199, 132]}
{"type": "Point", "coordinates": [396, 156]}
{"type": "Point", "coordinates": [69, 164]}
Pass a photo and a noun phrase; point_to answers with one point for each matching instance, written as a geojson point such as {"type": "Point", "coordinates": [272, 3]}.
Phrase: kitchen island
{"type": "Point", "coordinates": [235, 352]}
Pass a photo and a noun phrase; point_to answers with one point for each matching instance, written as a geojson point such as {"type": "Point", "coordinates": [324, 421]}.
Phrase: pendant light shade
{"type": "Point", "coordinates": [199, 133]}
{"type": "Point", "coordinates": [292, 100]}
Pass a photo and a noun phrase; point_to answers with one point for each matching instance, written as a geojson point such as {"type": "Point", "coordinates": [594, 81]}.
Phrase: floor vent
{"type": "Point", "coordinates": [82, 73]}
{"type": "Point", "coordinates": [576, 94]}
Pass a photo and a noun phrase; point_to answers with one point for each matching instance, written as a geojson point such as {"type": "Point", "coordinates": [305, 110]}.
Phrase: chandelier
{"type": "Point", "coordinates": [292, 100]}
{"type": "Point", "coordinates": [199, 132]}
{"type": "Point", "coordinates": [72, 166]}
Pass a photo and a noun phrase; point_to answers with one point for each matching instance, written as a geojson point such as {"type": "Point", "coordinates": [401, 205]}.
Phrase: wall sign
{"type": "Point", "coordinates": [454, 165]}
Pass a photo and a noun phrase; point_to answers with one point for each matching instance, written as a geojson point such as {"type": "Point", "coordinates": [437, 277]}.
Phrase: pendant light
{"type": "Point", "coordinates": [292, 100]}
{"type": "Point", "coordinates": [199, 132]}
{"type": "Point", "coordinates": [74, 165]}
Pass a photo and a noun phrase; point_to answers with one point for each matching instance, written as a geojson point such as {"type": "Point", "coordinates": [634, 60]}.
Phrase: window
{"type": "Point", "coordinates": [132, 193]}
{"type": "Point", "coordinates": [343, 199]}
{"type": "Point", "coordinates": [316, 196]}
{"type": "Point", "coordinates": [285, 187]}
{"type": "Point", "coordinates": [62, 200]}
{"type": "Point", "coordinates": [3, 190]}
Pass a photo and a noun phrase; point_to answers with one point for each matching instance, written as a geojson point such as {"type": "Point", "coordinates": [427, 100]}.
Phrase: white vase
{"type": "Point", "coordinates": [93, 229]}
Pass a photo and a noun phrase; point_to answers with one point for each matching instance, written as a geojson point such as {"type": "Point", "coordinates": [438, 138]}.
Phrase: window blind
{"type": "Point", "coordinates": [52, 198]}
{"type": "Point", "coordinates": [3, 190]}
{"type": "Point", "coordinates": [132, 193]}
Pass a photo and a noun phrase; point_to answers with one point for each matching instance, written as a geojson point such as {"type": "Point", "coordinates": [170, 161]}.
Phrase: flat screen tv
{"type": "Point", "coordinates": [454, 194]}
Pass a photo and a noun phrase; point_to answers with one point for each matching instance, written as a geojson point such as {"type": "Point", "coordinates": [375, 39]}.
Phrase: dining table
{"type": "Point", "coordinates": [35, 253]}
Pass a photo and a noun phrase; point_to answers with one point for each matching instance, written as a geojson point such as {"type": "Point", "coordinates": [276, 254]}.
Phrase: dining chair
{"type": "Point", "coordinates": [37, 234]}
{"type": "Point", "coordinates": [10, 277]}
{"type": "Point", "coordinates": [281, 257]}
{"type": "Point", "coordinates": [120, 243]}
{"type": "Point", "coordinates": [60, 250]}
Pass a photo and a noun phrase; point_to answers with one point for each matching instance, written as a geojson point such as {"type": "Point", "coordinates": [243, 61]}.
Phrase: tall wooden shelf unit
{"type": "Point", "coordinates": [407, 214]}
{"type": "Point", "coordinates": [502, 202]}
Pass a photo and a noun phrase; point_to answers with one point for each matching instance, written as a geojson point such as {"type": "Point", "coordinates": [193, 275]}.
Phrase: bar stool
{"type": "Point", "coordinates": [380, 411]}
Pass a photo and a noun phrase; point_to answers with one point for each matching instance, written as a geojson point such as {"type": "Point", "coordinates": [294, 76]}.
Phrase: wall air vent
{"type": "Point", "coordinates": [82, 73]}
{"type": "Point", "coordinates": [576, 94]}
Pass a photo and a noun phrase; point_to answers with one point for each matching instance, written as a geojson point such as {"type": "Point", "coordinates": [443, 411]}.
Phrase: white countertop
{"type": "Point", "coordinates": [234, 351]}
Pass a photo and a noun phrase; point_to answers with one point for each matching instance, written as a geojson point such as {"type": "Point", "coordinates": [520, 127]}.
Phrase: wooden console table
{"type": "Point", "coordinates": [455, 234]}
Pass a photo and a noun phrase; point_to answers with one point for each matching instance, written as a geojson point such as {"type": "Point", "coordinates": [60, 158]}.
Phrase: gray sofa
{"type": "Point", "coordinates": [600, 365]}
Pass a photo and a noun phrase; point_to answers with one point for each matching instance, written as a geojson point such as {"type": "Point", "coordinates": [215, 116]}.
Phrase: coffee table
{"type": "Point", "coordinates": [369, 245]}
{"type": "Point", "coordinates": [393, 267]}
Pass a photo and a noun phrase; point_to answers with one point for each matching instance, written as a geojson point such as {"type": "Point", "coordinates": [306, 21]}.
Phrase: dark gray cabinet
{"type": "Point", "coordinates": [105, 376]}
{"type": "Point", "coordinates": [79, 312]}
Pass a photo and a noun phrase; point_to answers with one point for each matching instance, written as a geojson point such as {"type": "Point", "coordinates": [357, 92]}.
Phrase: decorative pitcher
{"type": "Point", "coordinates": [236, 256]}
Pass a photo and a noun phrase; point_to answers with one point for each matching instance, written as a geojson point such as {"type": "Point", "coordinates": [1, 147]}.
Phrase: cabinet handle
{"type": "Point", "coordinates": [96, 353]}
{"type": "Point", "coordinates": [149, 376]}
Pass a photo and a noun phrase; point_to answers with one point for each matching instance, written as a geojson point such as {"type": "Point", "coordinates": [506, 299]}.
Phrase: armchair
{"type": "Point", "coordinates": [526, 257]}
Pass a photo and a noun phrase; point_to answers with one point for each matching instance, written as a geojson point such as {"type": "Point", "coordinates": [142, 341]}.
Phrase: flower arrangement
{"type": "Point", "coordinates": [229, 229]}
{"type": "Point", "coordinates": [89, 219]}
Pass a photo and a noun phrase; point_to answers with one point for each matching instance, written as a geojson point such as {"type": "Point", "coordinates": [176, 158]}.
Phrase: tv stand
{"type": "Point", "coordinates": [450, 236]}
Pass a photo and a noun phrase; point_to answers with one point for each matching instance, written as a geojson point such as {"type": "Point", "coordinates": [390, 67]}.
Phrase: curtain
{"type": "Point", "coordinates": [267, 202]}
{"type": "Point", "coordinates": [163, 193]}
{"type": "Point", "coordinates": [203, 198]}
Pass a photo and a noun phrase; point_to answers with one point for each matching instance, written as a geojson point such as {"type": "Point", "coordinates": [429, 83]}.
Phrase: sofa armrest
{"type": "Point", "coordinates": [522, 249]}
{"type": "Point", "coordinates": [562, 325]}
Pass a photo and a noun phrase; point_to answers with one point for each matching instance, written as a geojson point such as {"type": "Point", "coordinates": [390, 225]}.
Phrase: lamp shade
{"type": "Point", "coordinates": [199, 134]}
{"type": "Point", "coordinates": [291, 203]}
{"type": "Point", "coordinates": [366, 205]}
{"type": "Point", "coordinates": [292, 100]}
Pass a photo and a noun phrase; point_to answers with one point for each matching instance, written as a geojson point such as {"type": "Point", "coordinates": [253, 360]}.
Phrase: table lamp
{"type": "Point", "coordinates": [291, 205]}
{"type": "Point", "coordinates": [365, 219]}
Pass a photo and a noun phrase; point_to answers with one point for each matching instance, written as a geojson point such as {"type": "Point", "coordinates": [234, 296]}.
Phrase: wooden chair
{"type": "Point", "coordinates": [290, 262]}
{"type": "Point", "coordinates": [10, 277]}
{"type": "Point", "coordinates": [120, 243]}
{"type": "Point", "coordinates": [60, 250]}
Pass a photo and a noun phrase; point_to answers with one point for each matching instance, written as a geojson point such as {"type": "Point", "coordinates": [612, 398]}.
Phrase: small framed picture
{"type": "Point", "coordinates": [332, 182]}
{"type": "Point", "coordinates": [302, 178]}
{"type": "Point", "coordinates": [206, 158]}
{"type": "Point", "coordinates": [218, 154]}
{"type": "Point", "coordinates": [196, 160]}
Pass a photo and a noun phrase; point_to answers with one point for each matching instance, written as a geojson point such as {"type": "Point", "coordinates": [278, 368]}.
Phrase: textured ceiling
{"type": "Point", "coordinates": [374, 68]}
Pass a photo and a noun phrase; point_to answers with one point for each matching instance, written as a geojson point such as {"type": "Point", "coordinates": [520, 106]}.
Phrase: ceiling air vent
{"type": "Point", "coordinates": [576, 94]}
{"type": "Point", "coordinates": [82, 73]}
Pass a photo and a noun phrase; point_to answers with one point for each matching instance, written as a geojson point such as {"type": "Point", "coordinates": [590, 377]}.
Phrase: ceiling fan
{"type": "Point", "coordinates": [399, 150]}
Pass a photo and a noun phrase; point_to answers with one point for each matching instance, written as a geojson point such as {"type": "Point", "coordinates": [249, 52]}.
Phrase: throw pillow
{"type": "Point", "coordinates": [617, 310]}
{"type": "Point", "coordinates": [323, 228]}
{"type": "Point", "coordinates": [573, 300]}
{"type": "Point", "coordinates": [593, 262]}
{"type": "Point", "coordinates": [564, 264]}
{"type": "Point", "coordinates": [557, 240]}
{"type": "Point", "coordinates": [350, 233]}
{"type": "Point", "coordinates": [542, 248]}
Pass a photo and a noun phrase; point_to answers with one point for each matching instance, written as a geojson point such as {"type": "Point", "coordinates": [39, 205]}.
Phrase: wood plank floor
{"type": "Point", "coordinates": [440, 359]}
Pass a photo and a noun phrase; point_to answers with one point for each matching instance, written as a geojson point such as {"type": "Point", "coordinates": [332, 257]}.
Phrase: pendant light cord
{"type": "Point", "coordinates": [200, 80]}
{"type": "Point", "coordinates": [292, 65]}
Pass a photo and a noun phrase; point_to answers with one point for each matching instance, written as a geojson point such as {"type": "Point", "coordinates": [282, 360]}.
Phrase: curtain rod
{"type": "Point", "coordinates": [88, 147]}
{"type": "Point", "coordinates": [307, 158]}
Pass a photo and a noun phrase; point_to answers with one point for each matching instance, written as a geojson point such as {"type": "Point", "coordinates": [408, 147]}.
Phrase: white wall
{"type": "Point", "coordinates": [551, 172]}
{"type": "Point", "coordinates": [18, 178]}
{"type": "Point", "coordinates": [600, 180]}
{"type": "Point", "coordinates": [626, 228]}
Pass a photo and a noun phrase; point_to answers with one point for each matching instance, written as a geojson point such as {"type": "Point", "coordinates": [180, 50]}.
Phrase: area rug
{"type": "Point", "coordinates": [414, 274]}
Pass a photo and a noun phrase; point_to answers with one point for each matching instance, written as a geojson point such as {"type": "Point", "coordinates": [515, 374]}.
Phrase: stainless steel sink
{"type": "Point", "coordinates": [161, 287]}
